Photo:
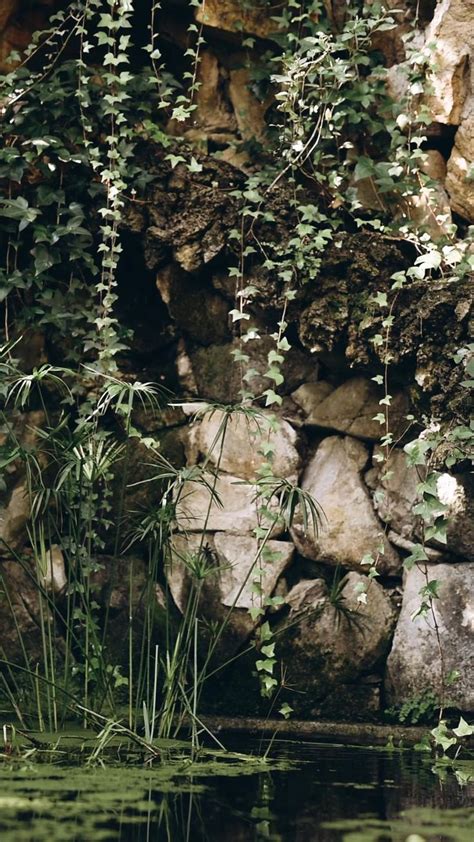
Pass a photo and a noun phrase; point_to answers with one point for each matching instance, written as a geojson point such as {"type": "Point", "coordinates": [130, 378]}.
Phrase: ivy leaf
{"type": "Point", "coordinates": [286, 710]}
{"type": "Point", "coordinates": [463, 729]}
{"type": "Point", "coordinates": [272, 397]}
{"type": "Point", "coordinates": [441, 736]}
{"type": "Point", "coordinates": [364, 168]}
{"type": "Point", "coordinates": [175, 160]}
{"type": "Point", "coordinates": [194, 166]}
{"type": "Point", "coordinates": [275, 374]}
{"type": "Point", "coordinates": [417, 554]}
{"type": "Point", "coordinates": [265, 665]}
{"type": "Point", "coordinates": [238, 315]}
{"type": "Point", "coordinates": [381, 299]}
{"type": "Point", "coordinates": [43, 259]}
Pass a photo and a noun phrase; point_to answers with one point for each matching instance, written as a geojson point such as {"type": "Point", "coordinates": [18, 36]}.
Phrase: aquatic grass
{"type": "Point", "coordinates": [69, 485]}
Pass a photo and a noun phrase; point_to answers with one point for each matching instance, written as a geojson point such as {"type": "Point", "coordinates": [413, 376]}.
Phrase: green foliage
{"type": "Point", "coordinates": [420, 709]}
{"type": "Point", "coordinates": [66, 191]}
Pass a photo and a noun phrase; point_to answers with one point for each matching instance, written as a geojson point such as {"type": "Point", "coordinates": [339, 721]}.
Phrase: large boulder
{"type": "Point", "coordinates": [324, 644]}
{"type": "Point", "coordinates": [219, 504]}
{"type": "Point", "coordinates": [20, 615]}
{"type": "Point", "coordinates": [451, 36]}
{"type": "Point", "coordinates": [218, 377]}
{"type": "Point", "coordinates": [196, 308]}
{"type": "Point", "coordinates": [224, 568]}
{"type": "Point", "coordinates": [351, 409]}
{"type": "Point", "coordinates": [415, 663]}
{"type": "Point", "coordinates": [309, 395]}
{"type": "Point", "coordinates": [126, 588]}
{"type": "Point", "coordinates": [394, 485]}
{"type": "Point", "coordinates": [459, 182]}
{"type": "Point", "coordinates": [14, 519]}
{"type": "Point", "coordinates": [232, 16]}
{"type": "Point", "coordinates": [238, 450]}
{"type": "Point", "coordinates": [350, 529]}
{"type": "Point", "coordinates": [395, 495]}
{"type": "Point", "coordinates": [457, 494]}
{"type": "Point", "coordinates": [249, 111]}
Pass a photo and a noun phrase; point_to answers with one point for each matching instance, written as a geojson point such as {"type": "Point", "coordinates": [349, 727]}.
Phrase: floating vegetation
{"type": "Point", "coordinates": [416, 825]}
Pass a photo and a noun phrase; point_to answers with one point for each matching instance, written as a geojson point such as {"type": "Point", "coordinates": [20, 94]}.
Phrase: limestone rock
{"type": "Point", "coordinates": [232, 16]}
{"type": "Point", "coordinates": [199, 311]}
{"type": "Point", "coordinates": [414, 663]}
{"type": "Point", "coordinates": [459, 180]}
{"type": "Point", "coordinates": [350, 530]}
{"type": "Point", "coordinates": [237, 453]}
{"type": "Point", "coordinates": [55, 578]}
{"type": "Point", "coordinates": [249, 111]}
{"type": "Point", "coordinates": [13, 520]}
{"type": "Point", "coordinates": [219, 378]}
{"type": "Point", "coordinates": [409, 546]}
{"type": "Point", "coordinates": [435, 165]}
{"type": "Point", "coordinates": [232, 510]}
{"type": "Point", "coordinates": [184, 370]}
{"type": "Point", "coordinates": [237, 555]}
{"type": "Point", "coordinates": [231, 569]}
{"type": "Point", "coordinates": [213, 111]}
{"type": "Point", "coordinates": [19, 615]}
{"type": "Point", "coordinates": [431, 211]}
{"type": "Point", "coordinates": [236, 567]}
{"type": "Point", "coordinates": [352, 407]}
{"type": "Point", "coordinates": [19, 19]}
{"type": "Point", "coordinates": [452, 34]}
{"type": "Point", "coordinates": [323, 646]}
{"type": "Point", "coordinates": [394, 485]}
{"type": "Point", "coordinates": [310, 395]}
{"type": "Point", "coordinates": [457, 493]}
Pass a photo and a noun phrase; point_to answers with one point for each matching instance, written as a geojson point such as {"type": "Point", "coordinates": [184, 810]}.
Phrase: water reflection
{"type": "Point", "coordinates": [334, 794]}
{"type": "Point", "coordinates": [337, 794]}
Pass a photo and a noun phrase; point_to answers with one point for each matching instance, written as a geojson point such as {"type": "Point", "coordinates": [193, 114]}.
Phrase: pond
{"type": "Point", "coordinates": [305, 791]}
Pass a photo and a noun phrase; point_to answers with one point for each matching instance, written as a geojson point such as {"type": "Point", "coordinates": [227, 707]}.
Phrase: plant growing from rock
{"type": "Point", "coordinates": [337, 130]}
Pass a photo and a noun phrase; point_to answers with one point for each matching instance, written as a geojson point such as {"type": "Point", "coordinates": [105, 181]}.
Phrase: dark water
{"type": "Point", "coordinates": [332, 793]}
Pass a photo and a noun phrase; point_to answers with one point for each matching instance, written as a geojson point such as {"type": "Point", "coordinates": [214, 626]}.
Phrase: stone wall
{"type": "Point", "coordinates": [339, 655]}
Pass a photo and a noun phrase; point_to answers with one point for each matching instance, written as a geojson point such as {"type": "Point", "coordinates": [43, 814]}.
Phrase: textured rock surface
{"type": "Point", "coordinates": [55, 577]}
{"type": "Point", "coordinates": [235, 17]}
{"type": "Point", "coordinates": [452, 34]}
{"type": "Point", "coordinates": [13, 520]}
{"type": "Point", "coordinates": [414, 663]}
{"type": "Point", "coordinates": [236, 563]}
{"type": "Point", "coordinates": [459, 179]}
{"type": "Point", "coordinates": [394, 486]}
{"type": "Point", "coordinates": [309, 396]}
{"type": "Point", "coordinates": [21, 632]}
{"type": "Point", "coordinates": [350, 528]}
{"type": "Point", "coordinates": [237, 451]}
{"type": "Point", "coordinates": [249, 111]}
{"type": "Point", "coordinates": [231, 568]}
{"type": "Point", "coordinates": [351, 409]}
{"type": "Point", "coordinates": [18, 20]}
{"type": "Point", "coordinates": [218, 378]}
{"type": "Point", "coordinates": [457, 493]}
{"type": "Point", "coordinates": [186, 295]}
{"type": "Point", "coordinates": [236, 513]}
{"type": "Point", "coordinates": [328, 647]}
